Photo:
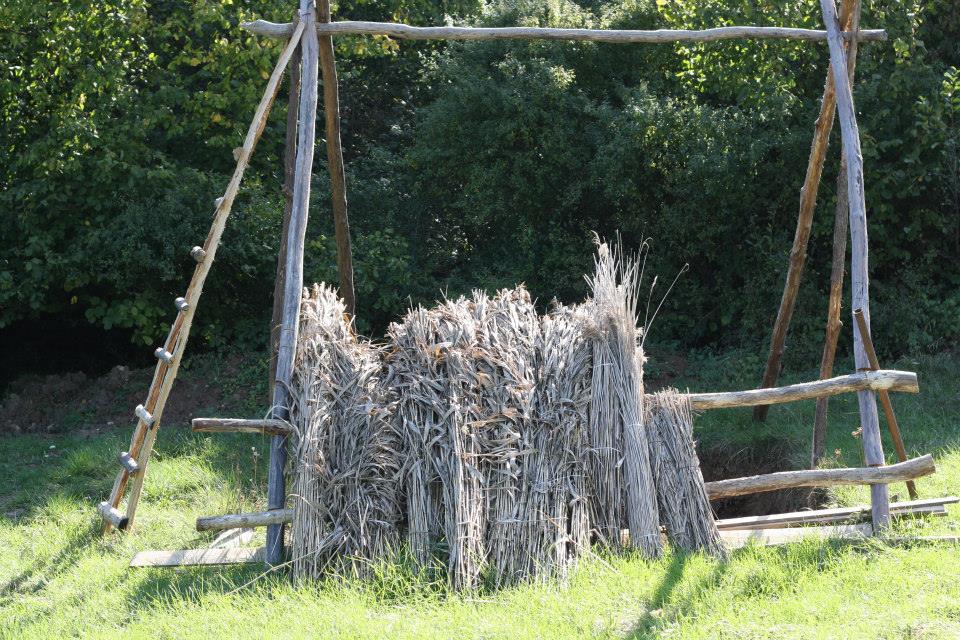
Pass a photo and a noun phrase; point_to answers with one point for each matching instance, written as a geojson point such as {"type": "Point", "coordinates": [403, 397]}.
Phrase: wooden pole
{"type": "Point", "coordinates": [838, 264]}
{"type": "Point", "coordinates": [289, 167]}
{"type": "Point", "coordinates": [338, 187]}
{"type": "Point", "coordinates": [859, 268]}
{"type": "Point", "coordinates": [145, 432]}
{"type": "Point", "coordinates": [884, 379]}
{"type": "Point", "coordinates": [237, 520]}
{"type": "Point", "coordinates": [884, 398]}
{"type": "Point", "coordinates": [236, 425]}
{"type": "Point", "coordinates": [293, 271]}
{"type": "Point", "coordinates": [798, 253]}
{"type": "Point", "coordinates": [914, 468]}
{"type": "Point", "coordinates": [405, 31]}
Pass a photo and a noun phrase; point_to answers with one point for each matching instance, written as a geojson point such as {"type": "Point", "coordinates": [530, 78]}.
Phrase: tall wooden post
{"type": "Point", "coordinates": [289, 169]}
{"type": "Point", "coordinates": [338, 187]}
{"type": "Point", "coordinates": [859, 269]}
{"type": "Point", "coordinates": [293, 271]}
{"type": "Point", "coordinates": [808, 203]}
{"type": "Point", "coordinates": [838, 261]}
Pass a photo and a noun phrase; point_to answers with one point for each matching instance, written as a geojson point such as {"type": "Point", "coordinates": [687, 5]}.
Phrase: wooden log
{"type": "Point", "coordinates": [770, 537]}
{"type": "Point", "coordinates": [884, 398]}
{"type": "Point", "coordinates": [194, 557]}
{"type": "Point", "coordinates": [162, 354]}
{"type": "Point", "coordinates": [181, 304]}
{"type": "Point", "coordinates": [269, 427]}
{"type": "Point", "coordinates": [164, 375]}
{"type": "Point", "coordinates": [908, 470]}
{"type": "Point", "coordinates": [289, 168]}
{"type": "Point", "coordinates": [198, 253]}
{"type": "Point", "coordinates": [128, 462]}
{"type": "Point", "coordinates": [293, 269]}
{"type": "Point", "coordinates": [933, 506]}
{"type": "Point", "coordinates": [801, 237]}
{"type": "Point", "coordinates": [142, 413]}
{"type": "Point", "coordinates": [859, 268]}
{"type": "Point", "coordinates": [237, 520]}
{"type": "Point", "coordinates": [338, 186]}
{"type": "Point", "coordinates": [838, 259]}
{"type": "Point", "coordinates": [905, 381]}
{"type": "Point", "coordinates": [112, 515]}
{"type": "Point", "coordinates": [408, 32]}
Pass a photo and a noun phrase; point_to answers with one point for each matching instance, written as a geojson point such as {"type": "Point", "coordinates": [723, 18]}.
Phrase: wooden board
{"type": "Point", "coordinates": [769, 537]}
{"type": "Point", "coordinates": [194, 557]}
{"type": "Point", "coordinates": [933, 506]}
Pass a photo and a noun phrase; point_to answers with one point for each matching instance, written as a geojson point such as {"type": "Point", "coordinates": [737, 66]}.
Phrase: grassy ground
{"type": "Point", "coordinates": [59, 579]}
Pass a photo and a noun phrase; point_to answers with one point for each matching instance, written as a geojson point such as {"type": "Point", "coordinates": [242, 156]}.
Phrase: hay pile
{"type": "Point", "coordinates": [504, 442]}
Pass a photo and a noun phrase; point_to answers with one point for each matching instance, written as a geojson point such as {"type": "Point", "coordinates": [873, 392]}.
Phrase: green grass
{"type": "Point", "coordinates": [59, 579]}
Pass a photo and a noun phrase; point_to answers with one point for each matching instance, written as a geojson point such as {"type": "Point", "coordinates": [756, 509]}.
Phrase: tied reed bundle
{"type": "Point", "coordinates": [347, 454]}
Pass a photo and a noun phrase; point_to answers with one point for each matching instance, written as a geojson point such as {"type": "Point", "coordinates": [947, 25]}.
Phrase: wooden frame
{"type": "Point", "coordinates": [312, 36]}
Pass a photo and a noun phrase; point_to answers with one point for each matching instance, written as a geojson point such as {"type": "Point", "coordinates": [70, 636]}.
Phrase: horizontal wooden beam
{"type": "Point", "coordinates": [881, 380]}
{"type": "Point", "coordinates": [908, 470]}
{"type": "Point", "coordinates": [237, 520]}
{"type": "Point", "coordinates": [770, 537]}
{"type": "Point", "coordinates": [235, 425]}
{"type": "Point", "coordinates": [112, 515]}
{"type": "Point", "coordinates": [409, 32]}
{"type": "Point", "coordinates": [186, 557]}
{"type": "Point", "coordinates": [933, 507]}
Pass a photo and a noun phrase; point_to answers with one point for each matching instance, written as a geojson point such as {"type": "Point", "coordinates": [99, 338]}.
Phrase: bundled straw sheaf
{"type": "Point", "coordinates": [503, 442]}
{"type": "Point", "coordinates": [346, 452]}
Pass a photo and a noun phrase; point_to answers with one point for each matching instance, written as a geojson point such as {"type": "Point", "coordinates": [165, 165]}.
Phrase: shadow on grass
{"type": "Point", "coordinates": [36, 575]}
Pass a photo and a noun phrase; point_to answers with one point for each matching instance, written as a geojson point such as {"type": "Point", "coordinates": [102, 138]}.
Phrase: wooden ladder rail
{"type": "Point", "coordinates": [149, 414]}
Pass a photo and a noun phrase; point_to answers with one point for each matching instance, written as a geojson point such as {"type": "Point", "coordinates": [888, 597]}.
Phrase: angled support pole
{"type": "Point", "coordinates": [837, 267]}
{"type": "Point", "coordinates": [338, 187]}
{"type": "Point", "coordinates": [859, 267]}
{"type": "Point", "coordinates": [149, 414]}
{"type": "Point", "coordinates": [293, 270]}
{"type": "Point", "coordinates": [808, 203]}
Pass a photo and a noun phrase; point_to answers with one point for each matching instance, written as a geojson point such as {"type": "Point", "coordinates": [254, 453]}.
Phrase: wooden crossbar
{"type": "Point", "coordinates": [410, 32]}
{"type": "Point", "coordinates": [880, 380]}
{"type": "Point", "coordinates": [269, 427]}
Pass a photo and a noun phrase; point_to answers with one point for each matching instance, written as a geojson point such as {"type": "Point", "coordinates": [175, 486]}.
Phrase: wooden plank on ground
{"type": "Point", "coordinates": [770, 537]}
{"type": "Point", "coordinates": [933, 506]}
{"type": "Point", "coordinates": [194, 557]}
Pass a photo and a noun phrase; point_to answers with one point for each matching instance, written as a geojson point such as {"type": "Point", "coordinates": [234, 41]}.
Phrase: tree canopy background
{"type": "Point", "coordinates": [474, 164]}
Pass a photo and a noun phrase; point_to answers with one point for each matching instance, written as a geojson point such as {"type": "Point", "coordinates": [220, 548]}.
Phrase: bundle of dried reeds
{"type": "Point", "coordinates": [685, 510]}
{"type": "Point", "coordinates": [347, 455]}
{"type": "Point", "coordinates": [623, 495]}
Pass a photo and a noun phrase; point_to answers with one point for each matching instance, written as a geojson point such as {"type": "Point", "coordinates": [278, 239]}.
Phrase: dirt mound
{"type": "Point", "coordinates": [72, 402]}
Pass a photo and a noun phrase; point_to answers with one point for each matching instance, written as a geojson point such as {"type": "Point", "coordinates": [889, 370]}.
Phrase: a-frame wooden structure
{"type": "Point", "coordinates": [309, 45]}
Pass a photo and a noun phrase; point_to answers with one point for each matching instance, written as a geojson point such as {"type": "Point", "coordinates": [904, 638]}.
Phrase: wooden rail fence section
{"type": "Point", "coordinates": [409, 32]}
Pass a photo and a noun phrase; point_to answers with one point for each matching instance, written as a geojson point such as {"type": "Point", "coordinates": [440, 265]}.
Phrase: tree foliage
{"type": "Point", "coordinates": [475, 164]}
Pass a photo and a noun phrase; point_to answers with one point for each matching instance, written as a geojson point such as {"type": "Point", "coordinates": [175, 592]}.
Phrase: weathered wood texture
{"type": "Point", "coordinates": [801, 237]}
{"type": "Point", "coordinates": [859, 267]}
{"type": "Point", "coordinates": [408, 32]}
{"type": "Point", "coordinates": [837, 267]}
{"type": "Point", "coordinates": [338, 186]}
{"type": "Point", "coordinates": [268, 426]}
{"type": "Point", "coordinates": [111, 514]}
{"type": "Point", "coordinates": [885, 379]}
{"type": "Point", "coordinates": [930, 507]}
{"type": "Point", "coordinates": [770, 537]}
{"type": "Point", "coordinates": [293, 269]}
{"type": "Point", "coordinates": [289, 168]}
{"type": "Point", "coordinates": [192, 557]}
{"type": "Point", "coordinates": [144, 434]}
{"type": "Point", "coordinates": [237, 520]}
{"type": "Point", "coordinates": [884, 398]}
{"type": "Point", "coordinates": [901, 471]}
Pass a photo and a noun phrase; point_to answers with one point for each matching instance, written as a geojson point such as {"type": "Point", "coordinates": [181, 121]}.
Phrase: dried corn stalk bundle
{"type": "Point", "coordinates": [685, 510]}
{"type": "Point", "coordinates": [617, 433]}
{"type": "Point", "coordinates": [347, 460]}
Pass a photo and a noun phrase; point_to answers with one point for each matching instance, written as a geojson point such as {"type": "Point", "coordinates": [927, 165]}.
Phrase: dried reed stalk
{"type": "Point", "coordinates": [347, 454]}
{"type": "Point", "coordinates": [617, 430]}
{"type": "Point", "coordinates": [685, 510]}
